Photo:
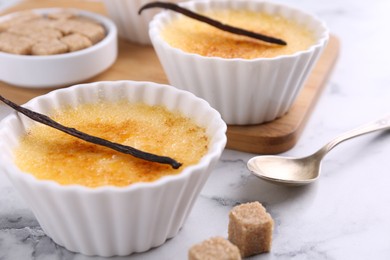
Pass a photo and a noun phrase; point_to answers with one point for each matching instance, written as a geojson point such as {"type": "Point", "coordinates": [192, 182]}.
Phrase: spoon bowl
{"type": "Point", "coordinates": [300, 171]}
{"type": "Point", "coordinates": [285, 170]}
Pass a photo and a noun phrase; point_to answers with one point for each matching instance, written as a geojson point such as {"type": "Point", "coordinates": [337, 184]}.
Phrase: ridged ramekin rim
{"type": "Point", "coordinates": [155, 36]}
{"type": "Point", "coordinates": [213, 154]}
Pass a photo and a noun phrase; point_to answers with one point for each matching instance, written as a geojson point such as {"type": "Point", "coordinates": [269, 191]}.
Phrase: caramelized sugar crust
{"type": "Point", "coordinates": [196, 37]}
{"type": "Point", "coordinates": [50, 154]}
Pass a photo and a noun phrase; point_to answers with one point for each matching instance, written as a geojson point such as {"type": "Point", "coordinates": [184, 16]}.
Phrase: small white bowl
{"type": "Point", "coordinates": [132, 26]}
{"type": "Point", "coordinates": [62, 69]}
{"type": "Point", "coordinates": [244, 91]}
{"type": "Point", "coordinates": [108, 221]}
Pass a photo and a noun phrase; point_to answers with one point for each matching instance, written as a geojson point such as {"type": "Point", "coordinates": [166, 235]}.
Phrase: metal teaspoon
{"type": "Point", "coordinates": [299, 171]}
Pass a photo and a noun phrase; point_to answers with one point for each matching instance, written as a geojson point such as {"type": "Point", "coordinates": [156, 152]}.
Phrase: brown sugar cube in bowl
{"type": "Point", "coordinates": [76, 41]}
{"type": "Point", "coordinates": [215, 248]}
{"type": "Point", "coordinates": [36, 31]}
{"type": "Point", "coordinates": [43, 22]}
{"type": "Point", "coordinates": [64, 15]}
{"type": "Point", "coordinates": [49, 48]}
{"type": "Point", "coordinates": [250, 228]}
{"type": "Point", "coordinates": [15, 44]}
{"type": "Point", "coordinates": [95, 32]}
{"type": "Point", "coordinates": [19, 18]}
{"type": "Point", "coordinates": [53, 71]}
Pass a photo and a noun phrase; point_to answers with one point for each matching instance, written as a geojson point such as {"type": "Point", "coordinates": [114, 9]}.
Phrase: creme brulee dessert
{"type": "Point", "coordinates": [196, 37]}
{"type": "Point", "coordinates": [52, 155]}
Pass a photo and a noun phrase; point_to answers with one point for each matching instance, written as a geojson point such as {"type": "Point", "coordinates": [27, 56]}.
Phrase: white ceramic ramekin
{"type": "Point", "coordinates": [243, 91]}
{"type": "Point", "coordinates": [62, 69]}
{"type": "Point", "coordinates": [108, 221]}
{"type": "Point", "coordinates": [132, 26]}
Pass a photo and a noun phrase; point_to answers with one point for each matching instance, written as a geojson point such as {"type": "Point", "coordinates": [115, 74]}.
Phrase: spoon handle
{"type": "Point", "coordinates": [377, 125]}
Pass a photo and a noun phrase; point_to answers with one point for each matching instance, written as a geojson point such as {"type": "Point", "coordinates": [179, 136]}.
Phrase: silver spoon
{"type": "Point", "coordinates": [299, 171]}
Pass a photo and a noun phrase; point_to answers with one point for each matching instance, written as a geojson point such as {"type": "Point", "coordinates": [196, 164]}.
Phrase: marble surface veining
{"type": "Point", "coordinates": [344, 215]}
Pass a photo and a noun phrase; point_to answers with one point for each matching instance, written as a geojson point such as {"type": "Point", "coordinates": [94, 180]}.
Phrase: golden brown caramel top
{"type": "Point", "coordinates": [196, 37]}
{"type": "Point", "coordinates": [52, 155]}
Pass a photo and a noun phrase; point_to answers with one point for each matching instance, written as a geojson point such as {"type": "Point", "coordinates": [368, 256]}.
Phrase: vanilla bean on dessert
{"type": "Point", "coordinates": [196, 37]}
{"type": "Point", "coordinates": [53, 155]}
{"type": "Point", "coordinates": [215, 23]}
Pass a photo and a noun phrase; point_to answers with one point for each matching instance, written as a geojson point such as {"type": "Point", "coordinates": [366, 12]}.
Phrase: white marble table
{"type": "Point", "coordinates": [345, 215]}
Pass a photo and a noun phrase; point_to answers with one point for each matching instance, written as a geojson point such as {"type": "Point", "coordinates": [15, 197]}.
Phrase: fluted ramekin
{"type": "Point", "coordinates": [132, 26]}
{"type": "Point", "coordinates": [244, 91]}
{"type": "Point", "coordinates": [108, 220]}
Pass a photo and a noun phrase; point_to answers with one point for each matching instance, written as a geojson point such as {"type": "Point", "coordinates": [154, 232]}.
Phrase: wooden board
{"type": "Point", "coordinates": [136, 62]}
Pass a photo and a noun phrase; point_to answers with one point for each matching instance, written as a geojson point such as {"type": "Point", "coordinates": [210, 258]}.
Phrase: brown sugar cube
{"type": "Point", "coordinates": [216, 248]}
{"type": "Point", "coordinates": [94, 32]}
{"type": "Point", "coordinates": [76, 41]}
{"type": "Point", "coordinates": [49, 48]}
{"type": "Point", "coordinates": [250, 228]}
{"type": "Point", "coordinates": [65, 26]}
{"type": "Point", "coordinates": [15, 44]}
{"type": "Point", "coordinates": [36, 32]}
{"type": "Point", "coordinates": [19, 18]}
{"type": "Point", "coordinates": [43, 22]}
{"type": "Point", "coordinates": [64, 15]}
